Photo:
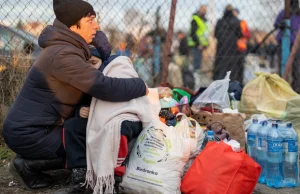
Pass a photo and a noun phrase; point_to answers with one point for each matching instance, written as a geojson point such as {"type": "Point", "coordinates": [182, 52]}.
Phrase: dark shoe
{"type": "Point", "coordinates": [77, 183]}
{"type": "Point", "coordinates": [29, 172]}
{"type": "Point", "coordinates": [78, 180]}
{"type": "Point", "coordinates": [118, 181]}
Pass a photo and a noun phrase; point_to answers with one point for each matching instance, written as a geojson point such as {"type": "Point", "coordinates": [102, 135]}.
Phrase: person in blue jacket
{"type": "Point", "coordinates": [74, 133]}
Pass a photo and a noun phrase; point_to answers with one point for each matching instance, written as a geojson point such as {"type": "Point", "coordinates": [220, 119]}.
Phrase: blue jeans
{"type": "Point", "coordinates": [197, 58]}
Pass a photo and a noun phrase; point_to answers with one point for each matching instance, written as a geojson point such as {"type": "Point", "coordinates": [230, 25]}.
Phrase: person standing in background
{"type": "Point", "coordinates": [188, 79]}
{"type": "Point", "coordinates": [198, 37]}
{"type": "Point", "coordinates": [123, 50]}
{"type": "Point", "coordinates": [182, 50]}
{"type": "Point", "coordinates": [228, 56]}
{"type": "Point", "coordinates": [295, 26]}
{"type": "Point", "coordinates": [246, 34]}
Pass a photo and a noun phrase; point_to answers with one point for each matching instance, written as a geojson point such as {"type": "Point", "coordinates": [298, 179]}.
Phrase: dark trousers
{"type": "Point", "coordinates": [49, 146]}
{"type": "Point", "coordinates": [233, 63]}
{"type": "Point", "coordinates": [197, 58]}
{"type": "Point", "coordinates": [74, 138]}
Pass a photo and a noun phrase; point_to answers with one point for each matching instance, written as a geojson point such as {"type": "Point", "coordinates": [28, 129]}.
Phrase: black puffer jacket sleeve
{"type": "Point", "coordinates": [70, 68]}
{"type": "Point", "coordinates": [193, 33]}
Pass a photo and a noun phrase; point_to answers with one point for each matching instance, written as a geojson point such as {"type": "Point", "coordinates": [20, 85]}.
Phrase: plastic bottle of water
{"type": "Point", "coordinates": [281, 125]}
{"type": "Point", "coordinates": [252, 139]}
{"type": "Point", "coordinates": [210, 136]}
{"type": "Point", "coordinates": [271, 121]}
{"type": "Point", "coordinates": [274, 177]}
{"type": "Point", "coordinates": [290, 157]}
{"type": "Point", "coordinates": [262, 150]}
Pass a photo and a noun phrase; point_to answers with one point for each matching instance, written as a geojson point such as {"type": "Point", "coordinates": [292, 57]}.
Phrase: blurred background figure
{"type": "Point", "coordinates": [145, 46]}
{"type": "Point", "coordinates": [198, 37]}
{"type": "Point", "coordinates": [231, 34]}
{"type": "Point", "coordinates": [295, 26]}
{"type": "Point", "coordinates": [127, 48]}
{"type": "Point", "coordinates": [183, 49]}
{"type": "Point", "coordinates": [123, 50]}
{"type": "Point", "coordinates": [246, 34]}
{"type": "Point", "coordinates": [183, 60]}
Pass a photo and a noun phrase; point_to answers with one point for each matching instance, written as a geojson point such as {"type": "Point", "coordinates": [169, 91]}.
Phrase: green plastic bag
{"type": "Point", "coordinates": [179, 93]}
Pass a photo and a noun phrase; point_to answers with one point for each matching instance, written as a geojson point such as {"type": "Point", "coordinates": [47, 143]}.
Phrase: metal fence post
{"type": "Point", "coordinates": [286, 41]}
{"type": "Point", "coordinates": [167, 53]}
{"type": "Point", "coordinates": [157, 43]}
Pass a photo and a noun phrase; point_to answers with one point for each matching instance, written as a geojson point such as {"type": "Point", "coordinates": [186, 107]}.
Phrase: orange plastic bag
{"type": "Point", "coordinates": [220, 170]}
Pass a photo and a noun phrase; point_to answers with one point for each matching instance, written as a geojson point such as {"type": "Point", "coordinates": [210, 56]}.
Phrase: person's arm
{"type": "Point", "coordinates": [194, 36]}
{"type": "Point", "coordinates": [72, 69]}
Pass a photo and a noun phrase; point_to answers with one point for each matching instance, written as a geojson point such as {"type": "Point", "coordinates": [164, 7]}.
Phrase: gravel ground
{"type": "Point", "coordinates": [263, 189]}
{"type": "Point", "coordinates": [8, 185]}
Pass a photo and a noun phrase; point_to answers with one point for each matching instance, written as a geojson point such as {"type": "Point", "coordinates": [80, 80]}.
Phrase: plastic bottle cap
{"type": "Point", "coordinates": [289, 125]}
{"type": "Point", "coordinates": [254, 120]}
{"type": "Point", "coordinates": [210, 132]}
{"type": "Point", "coordinates": [264, 123]}
{"type": "Point", "coordinates": [274, 125]}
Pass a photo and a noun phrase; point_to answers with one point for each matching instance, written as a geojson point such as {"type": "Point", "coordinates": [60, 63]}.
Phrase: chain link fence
{"type": "Point", "coordinates": [138, 29]}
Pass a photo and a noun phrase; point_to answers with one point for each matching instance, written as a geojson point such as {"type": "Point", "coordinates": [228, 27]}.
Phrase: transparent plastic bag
{"type": "Point", "coordinates": [216, 94]}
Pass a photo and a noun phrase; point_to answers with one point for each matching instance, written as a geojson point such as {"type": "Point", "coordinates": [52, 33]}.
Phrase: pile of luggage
{"type": "Point", "coordinates": [195, 146]}
{"type": "Point", "coordinates": [201, 141]}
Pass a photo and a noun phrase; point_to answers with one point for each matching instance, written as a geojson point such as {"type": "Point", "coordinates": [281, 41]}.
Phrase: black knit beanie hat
{"type": "Point", "coordinates": [69, 12]}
